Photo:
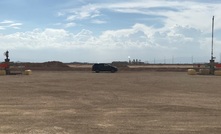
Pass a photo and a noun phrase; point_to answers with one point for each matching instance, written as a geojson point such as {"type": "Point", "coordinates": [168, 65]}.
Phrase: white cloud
{"type": "Point", "coordinates": [15, 25]}
{"type": "Point", "coordinates": [97, 21]}
{"type": "Point", "coordinates": [59, 14]}
{"type": "Point", "coordinates": [70, 25]}
{"type": "Point", "coordinates": [2, 28]}
{"type": "Point", "coordinates": [9, 24]}
{"type": "Point", "coordinates": [85, 12]}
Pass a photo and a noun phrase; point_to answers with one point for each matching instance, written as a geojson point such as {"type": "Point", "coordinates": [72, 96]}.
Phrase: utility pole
{"type": "Point", "coordinates": [192, 59]}
{"type": "Point", "coordinates": [172, 59]}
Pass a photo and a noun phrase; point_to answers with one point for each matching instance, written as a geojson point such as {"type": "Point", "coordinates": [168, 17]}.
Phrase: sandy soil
{"type": "Point", "coordinates": [70, 102]}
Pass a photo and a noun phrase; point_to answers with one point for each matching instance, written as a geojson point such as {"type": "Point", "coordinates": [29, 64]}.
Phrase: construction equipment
{"type": "Point", "coordinates": [212, 68]}
{"type": "Point", "coordinates": [8, 66]}
{"type": "Point", "coordinates": [5, 65]}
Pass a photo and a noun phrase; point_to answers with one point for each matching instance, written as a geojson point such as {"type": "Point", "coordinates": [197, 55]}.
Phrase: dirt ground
{"type": "Point", "coordinates": [70, 102]}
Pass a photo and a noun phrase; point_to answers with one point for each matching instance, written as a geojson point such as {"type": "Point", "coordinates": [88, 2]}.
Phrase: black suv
{"type": "Point", "coordinates": [104, 67]}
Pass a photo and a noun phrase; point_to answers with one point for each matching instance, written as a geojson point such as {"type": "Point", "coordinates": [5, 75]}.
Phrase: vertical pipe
{"type": "Point", "coordinates": [212, 62]}
{"type": "Point", "coordinates": [220, 57]}
{"type": "Point", "coordinates": [212, 38]}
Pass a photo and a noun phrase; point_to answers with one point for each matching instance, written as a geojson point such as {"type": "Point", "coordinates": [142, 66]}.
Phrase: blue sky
{"type": "Point", "coordinates": [161, 31]}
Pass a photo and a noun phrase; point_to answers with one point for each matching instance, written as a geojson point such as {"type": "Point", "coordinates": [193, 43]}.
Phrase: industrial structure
{"type": "Point", "coordinates": [6, 64]}
{"type": "Point", "coordinates": [212, 60]}
{"type": "Point", "coordinates": [212, 68]}
{"type": "Point", "coordinates": [7, 67]}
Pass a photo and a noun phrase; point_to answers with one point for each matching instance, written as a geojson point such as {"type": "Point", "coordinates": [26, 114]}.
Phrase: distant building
{"type": "Point", "coordinates": [137, 62]}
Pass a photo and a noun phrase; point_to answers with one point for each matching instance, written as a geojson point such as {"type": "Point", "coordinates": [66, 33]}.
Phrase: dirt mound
{"type": "Point", "coordinates": [50, 65]}
{"type": "Point", "coordinates": [55, 64]}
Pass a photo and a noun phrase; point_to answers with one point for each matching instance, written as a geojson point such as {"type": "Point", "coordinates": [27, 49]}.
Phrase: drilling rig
{"type": "Point", "coordinates": [212, 60]}
{"type": "Point", "coordinates": [10, 68]}
{"type": "Point", "coordinates": [6, 65]}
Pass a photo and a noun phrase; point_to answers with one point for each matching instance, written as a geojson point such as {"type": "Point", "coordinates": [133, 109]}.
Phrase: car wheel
{"type": "Point", "coordinates": [113, 71]}
{"type": "Point", "coordinates": [97, 71]}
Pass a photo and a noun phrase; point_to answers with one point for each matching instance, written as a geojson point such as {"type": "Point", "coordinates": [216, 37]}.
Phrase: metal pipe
{"type": "Point", "coordinates": [212, 38]}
